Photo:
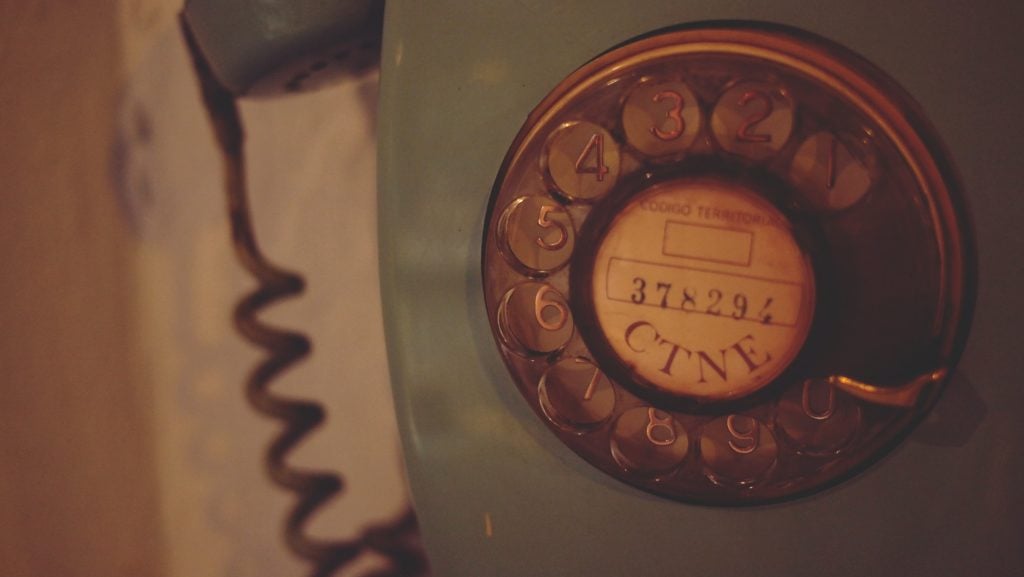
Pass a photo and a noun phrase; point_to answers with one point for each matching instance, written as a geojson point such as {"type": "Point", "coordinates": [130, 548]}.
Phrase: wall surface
{"type": "Point", "coordinates": [127, 446]}
{"type": "Point", "coordinates": [78, 487]}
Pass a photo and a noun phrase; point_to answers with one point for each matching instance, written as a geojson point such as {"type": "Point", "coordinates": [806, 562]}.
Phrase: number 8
{"type": "Point", "coordinates": [654, 422]}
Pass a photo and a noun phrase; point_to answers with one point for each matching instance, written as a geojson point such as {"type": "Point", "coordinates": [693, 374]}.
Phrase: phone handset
{"type": "Point", "coordinates": [264, 48]}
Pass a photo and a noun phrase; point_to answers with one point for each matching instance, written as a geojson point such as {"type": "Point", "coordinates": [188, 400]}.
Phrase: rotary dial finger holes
{"type": "Point", "coordinates": [698, 261]}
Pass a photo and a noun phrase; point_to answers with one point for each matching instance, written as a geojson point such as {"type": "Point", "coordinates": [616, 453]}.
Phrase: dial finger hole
{"type": "Point", "coordinates": [661, 117]}
{"type": "Point", "coordinates": [649, 442]}
{"type": "Point", "coordinates": [537, 234]}
{"type": "Point", "coordinates": [818, 419]}
{"type": "Point", "coordinates": [581, 160]}
{"type": "Point", "coordinates": [534, 318]}
{"type": "Point", "coordinates": [828, 174]}
{"type": "Point", "coordinates": [737, 450]}
{"type": "Point", "coordinates": [753, 119]}
{"type": "Point", "coordinates": [576, 395]}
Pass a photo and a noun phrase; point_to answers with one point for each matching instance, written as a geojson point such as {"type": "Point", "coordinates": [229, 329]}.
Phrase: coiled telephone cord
{"type": "Point", "coordinates": [398, 541]}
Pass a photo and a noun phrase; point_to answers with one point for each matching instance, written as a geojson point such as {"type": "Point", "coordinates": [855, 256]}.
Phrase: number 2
{"type": "Point", "coordinates": [716, 297]}
{"type": "Point", "coordinates": [744, 134]}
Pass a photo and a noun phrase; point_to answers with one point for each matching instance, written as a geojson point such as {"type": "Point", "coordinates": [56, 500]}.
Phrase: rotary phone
{"type": "Point", "coordinates": [671, 288]}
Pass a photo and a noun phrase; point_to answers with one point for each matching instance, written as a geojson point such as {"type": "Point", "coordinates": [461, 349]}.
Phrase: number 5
{"type": "Point", "coordinates": [544, 222]}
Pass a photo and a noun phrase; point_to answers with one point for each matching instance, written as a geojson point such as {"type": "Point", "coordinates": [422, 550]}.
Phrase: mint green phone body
{"type": "Point", "coordinates": [497, 494]}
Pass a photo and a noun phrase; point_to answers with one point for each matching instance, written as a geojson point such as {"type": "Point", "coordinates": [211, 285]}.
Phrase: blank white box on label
{"type": "Point", "coordinates": [708, 243]}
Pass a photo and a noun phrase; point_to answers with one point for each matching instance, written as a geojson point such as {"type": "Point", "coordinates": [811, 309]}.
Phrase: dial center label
{"type": "Point", "coordinates": [700, 287]}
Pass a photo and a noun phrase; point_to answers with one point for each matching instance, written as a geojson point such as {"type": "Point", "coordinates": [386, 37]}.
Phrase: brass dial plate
{"type": "Point", "coordinates": [728, 265]}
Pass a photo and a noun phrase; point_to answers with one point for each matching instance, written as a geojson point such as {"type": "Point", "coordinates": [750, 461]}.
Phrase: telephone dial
{"type": "Point", "coordinates": [661, 283]}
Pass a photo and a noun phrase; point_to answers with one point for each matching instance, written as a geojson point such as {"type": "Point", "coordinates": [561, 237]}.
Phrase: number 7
{"type": "Point", "coordinates": [666, 288]}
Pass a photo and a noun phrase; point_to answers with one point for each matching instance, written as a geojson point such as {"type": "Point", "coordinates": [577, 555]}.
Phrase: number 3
{"type": "Point", "coordinates": [675, 114]}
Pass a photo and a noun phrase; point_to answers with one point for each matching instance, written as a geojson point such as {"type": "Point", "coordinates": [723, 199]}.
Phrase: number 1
{"type": "Point", "coordinates": [589, 393]}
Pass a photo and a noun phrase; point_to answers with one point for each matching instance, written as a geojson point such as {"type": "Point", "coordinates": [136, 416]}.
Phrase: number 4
{"type": "Point", "coordinates": [595, 145]}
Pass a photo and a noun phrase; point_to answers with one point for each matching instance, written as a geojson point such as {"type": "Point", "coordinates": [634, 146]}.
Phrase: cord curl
{"type": "Point", "coordinates": [397, 542]}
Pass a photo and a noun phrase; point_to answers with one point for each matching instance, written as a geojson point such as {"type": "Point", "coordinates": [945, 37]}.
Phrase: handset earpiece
{"type": "Point", "coordinates": [266, 48]}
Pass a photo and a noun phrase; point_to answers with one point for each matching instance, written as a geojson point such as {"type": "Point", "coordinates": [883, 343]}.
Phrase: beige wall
{"type": "Point", "coordinates": [126, 446]}
{"type": "Point", "coordinates": [78, 491]}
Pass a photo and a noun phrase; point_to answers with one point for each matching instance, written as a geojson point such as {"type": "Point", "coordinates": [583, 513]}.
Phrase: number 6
{"type": "Point", "coordinates": [539, 304]}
